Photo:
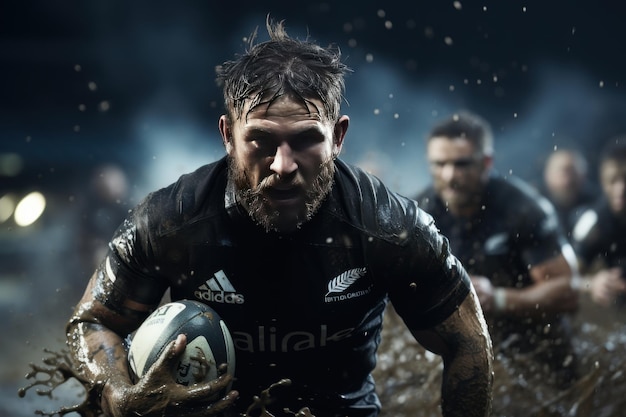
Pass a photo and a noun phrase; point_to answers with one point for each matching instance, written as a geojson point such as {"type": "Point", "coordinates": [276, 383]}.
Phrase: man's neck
{"type": "Point", "coordinates": [466, 212]}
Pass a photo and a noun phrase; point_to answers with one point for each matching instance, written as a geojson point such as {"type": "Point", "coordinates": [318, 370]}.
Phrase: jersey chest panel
{"type": "Point", "coordinates": [287, 296]}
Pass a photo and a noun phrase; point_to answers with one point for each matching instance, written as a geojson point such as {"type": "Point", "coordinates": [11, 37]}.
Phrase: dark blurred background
{"type": "Point", "coordinates": [133, 82]}
{"type": "Point", "coordinates": [105, 100]}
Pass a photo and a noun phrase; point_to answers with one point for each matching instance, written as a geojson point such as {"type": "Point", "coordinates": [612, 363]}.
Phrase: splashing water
{"type": "Point", "coordinates": [409, 377]}
{"type": "Point", "coordinates": [58, 370]}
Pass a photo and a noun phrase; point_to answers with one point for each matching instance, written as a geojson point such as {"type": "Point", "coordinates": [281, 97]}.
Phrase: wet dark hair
{"type": "Point", "coordinates": [466, 125]}
{"type": "Point", "coordinates": [614, 150]}
{"type": "Point", "coordinates": [279, 66]}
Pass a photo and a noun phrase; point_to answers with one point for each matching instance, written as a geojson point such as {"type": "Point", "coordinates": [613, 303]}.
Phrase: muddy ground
{"type": "Point", "coordinates": [409, 377]}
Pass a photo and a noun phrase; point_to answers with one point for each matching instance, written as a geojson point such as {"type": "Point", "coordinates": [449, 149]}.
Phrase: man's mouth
{"type": "Point", "coordinates": [454, 190]}
{"type": "Point", "coordinates": [282, 193]}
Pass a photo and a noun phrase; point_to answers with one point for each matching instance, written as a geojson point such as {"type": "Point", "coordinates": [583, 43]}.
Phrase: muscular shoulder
{"type": "Point", "coordinates": [518, 199]}
{"type": "Point", "coordinates": [524, 211]}
{"type": "Point", "coordinates": [365, 202]}
{"type": "Point", "coordinates": [510, 196]}
{"type": "Point", "coordinates": [512, 191]}
{"type": "Point", "coordinates": [195, 195]}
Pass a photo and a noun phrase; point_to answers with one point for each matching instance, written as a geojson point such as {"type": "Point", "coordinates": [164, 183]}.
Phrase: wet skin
{"type": "Point", "coordinates": [283, 150]}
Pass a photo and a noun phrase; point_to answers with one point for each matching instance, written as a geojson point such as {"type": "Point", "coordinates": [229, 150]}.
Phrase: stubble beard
{"type": "Point", "coordinates": [259, 208]}
{"type": "Point", "coordinates": [460, 202]}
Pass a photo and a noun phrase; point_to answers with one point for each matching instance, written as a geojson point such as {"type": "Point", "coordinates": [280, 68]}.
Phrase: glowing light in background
{"type": "Point", "coordinates": [7, 205]}
{"type": "Point", "coordinates": [10, 164]}
{"type": "Point", "coordinates": [29, 209]}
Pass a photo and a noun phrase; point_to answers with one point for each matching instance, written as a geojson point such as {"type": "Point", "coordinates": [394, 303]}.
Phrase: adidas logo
{"type": "Point", "coordinates": [338, 286]}
{"type": "Point", "coordinates": [218, 289]}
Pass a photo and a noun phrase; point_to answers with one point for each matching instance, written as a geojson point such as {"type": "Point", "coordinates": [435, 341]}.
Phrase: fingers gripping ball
{"type": "Point", "coordinates": [209, 343]}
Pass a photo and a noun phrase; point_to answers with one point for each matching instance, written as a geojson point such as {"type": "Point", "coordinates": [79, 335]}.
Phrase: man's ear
{"type": "Point", "coordinates": [488, 162]}
{"type": "Point", "coordinates": [341, 127]}
{"type": "Point", "coordinates": [487, 166]}
{"type": "Point", "coordinates": [226, 132]}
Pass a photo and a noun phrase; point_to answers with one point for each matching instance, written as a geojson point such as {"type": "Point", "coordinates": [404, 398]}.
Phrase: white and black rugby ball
{"type": "Point", "coordinates": [209, 343]}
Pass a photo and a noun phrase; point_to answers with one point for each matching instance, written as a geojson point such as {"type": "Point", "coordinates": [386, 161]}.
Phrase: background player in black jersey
{"type": "Point", "coordinates": [566, 184]}
{"type": "Point", "coordinates": [312, 250]}
{"type": "Point", "coordinates": [508, 238]}
{"type": "Point", "coordinates": [599, 237]}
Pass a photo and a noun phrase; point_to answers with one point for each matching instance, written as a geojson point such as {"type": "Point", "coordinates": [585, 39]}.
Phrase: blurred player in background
{"type": "Point", "coordinates": [566, 185]}
{"type": "Point", "coordinates": [509, 240]}
{"type": "Point", "coordinates": [599, 237]}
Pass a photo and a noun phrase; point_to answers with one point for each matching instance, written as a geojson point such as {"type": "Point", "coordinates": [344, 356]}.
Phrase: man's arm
{"type": "Point", "coordinates": [604, 286]}
{"type": "Point", "coordinates": [95, 337]}
{"type": "Point", "coordinates": [464, 343]}
{"type": "Point", "coordinates": [551, 292]}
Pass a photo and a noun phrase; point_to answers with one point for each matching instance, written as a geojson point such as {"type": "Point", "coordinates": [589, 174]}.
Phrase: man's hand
{"type": "Point", "coordinates": [606, 285]}
{"type": "Point", "coordinates": [157, 394]}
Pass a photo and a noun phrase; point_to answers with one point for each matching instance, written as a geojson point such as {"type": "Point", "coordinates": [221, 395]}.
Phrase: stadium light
{"type": "Point", "coordinates": [7, 205]}
{"type": "Point", "coordinates": [29, 209]}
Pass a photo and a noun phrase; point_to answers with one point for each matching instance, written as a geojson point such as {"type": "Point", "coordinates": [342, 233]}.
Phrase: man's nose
{"type": "Point", "coordinates": [620, 186]}
{"type": "Point", "coordinates": [447, 172]}
{"type": "Point", "coordinates": [284, 162]}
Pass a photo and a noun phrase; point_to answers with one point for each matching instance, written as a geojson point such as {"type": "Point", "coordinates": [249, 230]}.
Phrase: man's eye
{"type": "Point", "coordinates": [304, 142]}
{"type": "Point", "coordinates": [261, 142]}
{"type": "Point", "coordinates": [458, 163]}
{"type": "Point", "coordinates": [463, 163]}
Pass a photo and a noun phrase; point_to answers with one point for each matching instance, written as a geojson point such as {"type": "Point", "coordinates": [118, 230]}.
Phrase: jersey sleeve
{"type": "Point", "coordinates": [588, 235]}
{"type": "Point", "coordinates": [429, 282]}
{"type": "Point", "coordinates": [129, 274]}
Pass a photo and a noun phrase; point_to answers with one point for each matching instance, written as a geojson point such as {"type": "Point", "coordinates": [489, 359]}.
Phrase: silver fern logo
{"type": "Point", "coordinates": [337, 286]}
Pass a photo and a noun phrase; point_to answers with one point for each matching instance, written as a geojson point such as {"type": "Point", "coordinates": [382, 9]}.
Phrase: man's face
{"type": "Point", "coordinates": [563, 178]}
{"type": "Point", "coordinates": [459, 172]}
{"type": "Point", "coordinates": [613, 180]}
{"type": "Point", "coordinates": [281, 161]}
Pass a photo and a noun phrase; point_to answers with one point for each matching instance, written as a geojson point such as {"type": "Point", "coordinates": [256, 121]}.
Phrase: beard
{"type": "Point", "coordinates": [459, 199]}
{"type": "Point", "coordinates": [259, 208]}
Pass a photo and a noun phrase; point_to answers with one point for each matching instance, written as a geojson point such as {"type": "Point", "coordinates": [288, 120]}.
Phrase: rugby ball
{"type": "Point", "coordinates": [209, 343]}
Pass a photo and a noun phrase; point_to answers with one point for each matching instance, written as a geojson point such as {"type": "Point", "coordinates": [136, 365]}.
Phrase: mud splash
{"type": "Point", "coordinates": [57, 370]}
{"type": "Point", "coordinates": [409, 378]}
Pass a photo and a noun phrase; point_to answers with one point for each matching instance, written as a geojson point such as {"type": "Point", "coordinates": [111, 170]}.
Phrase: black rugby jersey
{"type": "Point", "coordinates": [515, 229]}
{"type": "Point", "coordinates": [305, 306]}
{"type": "Point", "coordinates": [599, 236]}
